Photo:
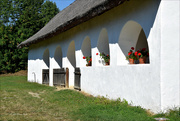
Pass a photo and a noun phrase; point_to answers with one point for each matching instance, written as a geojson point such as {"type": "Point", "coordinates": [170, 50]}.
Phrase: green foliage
{"type": "Point", "coordinates": [47, 11]}
{"type": "Point", "coordinates": [173, 115]}
{"type": "Point", "coordinates": [19, 20]}
{"type": "Point", "coordinates": [105, 57]}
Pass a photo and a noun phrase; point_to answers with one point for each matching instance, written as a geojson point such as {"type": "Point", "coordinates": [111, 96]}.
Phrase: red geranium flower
{"type": "Point", "coordinates": [107, 55]}
{"type": "Point", "coordinates": [96, 53]}
{"type": "Point", "coordinates": [91, 59]}
{"type": "Point", "coordinates": [129, 53]}
{"type": "Point", "coordinates": [132, 48]}
{"type": "Point", "coordinates": [139, 54]}
{"type": "Point", "coordinates": [136, 53]}
{"type": "Point", "coordinates": [84, 57]}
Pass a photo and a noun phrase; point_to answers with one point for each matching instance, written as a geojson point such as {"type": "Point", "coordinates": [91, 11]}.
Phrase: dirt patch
{"type": "Point", "coordinates": [34, 94]}
{"type": "Point", "coordinates": [19, 73]}
{"type": "Point", "coordinates": [82, 92]}
{"type": "Point", "coordinates": [58, 88]}
{"type": "Point", "coordinates": [149, 112]}
{"type": "Point", "coordinates": [86, 94]}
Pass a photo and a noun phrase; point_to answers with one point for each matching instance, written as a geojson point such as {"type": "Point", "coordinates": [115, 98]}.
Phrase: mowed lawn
{"type": "Point", "coordinates": [22, 100]}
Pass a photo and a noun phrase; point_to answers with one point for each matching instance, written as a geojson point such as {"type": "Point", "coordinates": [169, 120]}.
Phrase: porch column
{"type": "Point", "coordinates": [51, 71]}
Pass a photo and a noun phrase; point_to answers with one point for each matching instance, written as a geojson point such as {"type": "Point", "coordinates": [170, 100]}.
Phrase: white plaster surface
{"type": "Point", "coordinates": [153, 86]}
{"type": "Point", "coordinates": [170, 59]}
{"type": "Point", "coordinates": [128, 82]}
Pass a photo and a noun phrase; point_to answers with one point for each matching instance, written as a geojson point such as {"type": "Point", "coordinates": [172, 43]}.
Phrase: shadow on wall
{"type": "Point", "coordinates": [71, 54]}
{"type": "Point", "coordinates": [103, 48]}
{"type": "Point", "coordinates": [46, 57]}
{"type": "Point", "coordinates": [142, 43]}
{"type": "Point", "coordinates": [103, 42]}
{"type": "Point", "coordinates": [132, 35]}
{"type": "Point", "coordinates": [147, 18]}
{"type": "Point", "coordinates": [86, 52]}
{"type": "Point", "coordinates": [86, 47]}
{"type": "Point", "coordinates": [58, 56]}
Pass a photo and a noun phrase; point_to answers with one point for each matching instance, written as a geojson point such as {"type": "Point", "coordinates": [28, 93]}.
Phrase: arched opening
{"type": "Point", "coordinates": [103, 48]}
{"type": "Point", "coordinates": [45, 69]}
{"type": "Point", "coordinates": [142, 43]}
{"type": "Point", "coordinates": [71, 54]}
{"type": "Point", "coordinates": [86, 52]}
{"type": "Point", "coordinates": [132, 35]}
{"type": "Point", "coordinates": [71, 62]}
{"type": "Point", "coordinates": [46, 58]}
{"type": "Point", "coordinates": [58, 56]}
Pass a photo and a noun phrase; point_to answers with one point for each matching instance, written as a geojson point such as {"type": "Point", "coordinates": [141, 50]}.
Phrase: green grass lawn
{"type": "Point", "coordinates": [21, 100]}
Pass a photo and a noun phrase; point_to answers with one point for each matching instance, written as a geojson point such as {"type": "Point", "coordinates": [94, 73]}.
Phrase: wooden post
{"type": "Point", "coordinates": [67, 77]}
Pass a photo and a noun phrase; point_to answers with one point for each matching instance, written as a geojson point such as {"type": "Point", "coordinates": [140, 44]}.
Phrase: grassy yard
{"type": "Point", "coordinates": [21, 100]}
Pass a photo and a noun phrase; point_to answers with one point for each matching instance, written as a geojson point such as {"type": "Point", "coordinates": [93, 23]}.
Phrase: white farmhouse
{"type": "Point", "coordinates": [88, 27]}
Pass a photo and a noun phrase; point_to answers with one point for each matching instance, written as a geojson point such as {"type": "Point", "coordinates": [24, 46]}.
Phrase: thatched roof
{"type": "Point", "coordinates": [76, 13]}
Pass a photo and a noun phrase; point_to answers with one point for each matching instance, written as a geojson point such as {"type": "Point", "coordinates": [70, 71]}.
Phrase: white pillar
{"type": "Point", "coordinates": [51, 71]}
{"type": "Point", "coordinates": [113, 54]}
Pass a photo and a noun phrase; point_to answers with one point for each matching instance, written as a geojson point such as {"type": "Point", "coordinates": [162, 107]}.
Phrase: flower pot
{"type": "Point", "coordinates": [89, 64]}
{"type": "Point", "coordinates": [142, 60]}
{"type": "Point", "coordinates": [108, 63]}
{"type": "Point", "coordinates": [131, 61]}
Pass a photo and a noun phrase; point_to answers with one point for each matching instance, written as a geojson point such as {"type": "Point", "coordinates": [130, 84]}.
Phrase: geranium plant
{"type": "Point", "coordinates": [142, 53]}
{"type": "Point", "coordinates": [131, 54]}
{"type": "Point", "coordinates": [105, 57]}
{"type": "Point", "coordinates": [88, 60]}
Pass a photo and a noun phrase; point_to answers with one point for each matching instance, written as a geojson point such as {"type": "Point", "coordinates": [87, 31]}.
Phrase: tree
{"type": "Point", "coordinates": [20, 19]}
{"type": "Point", "coordinates": [48, 11]}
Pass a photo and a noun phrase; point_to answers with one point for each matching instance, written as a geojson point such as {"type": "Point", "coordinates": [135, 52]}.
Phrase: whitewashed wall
{"type": "Point", "coordinates": [170, 54]}
{"type": "Point", "coordinates": [153, 86]}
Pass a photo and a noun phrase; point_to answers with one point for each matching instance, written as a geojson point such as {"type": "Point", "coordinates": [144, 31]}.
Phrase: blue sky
{"type": "Point", "coordinates": [61, 4]}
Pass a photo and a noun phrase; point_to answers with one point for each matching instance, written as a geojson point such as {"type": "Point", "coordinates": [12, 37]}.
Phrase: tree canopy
{"type": "Point", "coordinates": [19, 20]}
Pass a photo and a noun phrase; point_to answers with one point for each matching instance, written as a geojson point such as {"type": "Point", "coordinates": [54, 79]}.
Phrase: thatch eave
{"type": "Point", "coordinates": [65, 25]}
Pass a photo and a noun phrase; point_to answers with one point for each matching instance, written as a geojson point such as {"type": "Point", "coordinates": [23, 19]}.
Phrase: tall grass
{"type": "Point", "coordinates": [21, 100]}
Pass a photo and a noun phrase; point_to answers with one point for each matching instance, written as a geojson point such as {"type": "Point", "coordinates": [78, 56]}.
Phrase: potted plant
{"type": "Point", "coordinates": [88, 60]}
{"type": "Point", "coordinates": [131, 56]}
{"type": "Point", "coordinates": [142, 54]}
{"type": "Point", "coordinates": [105, 57]}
